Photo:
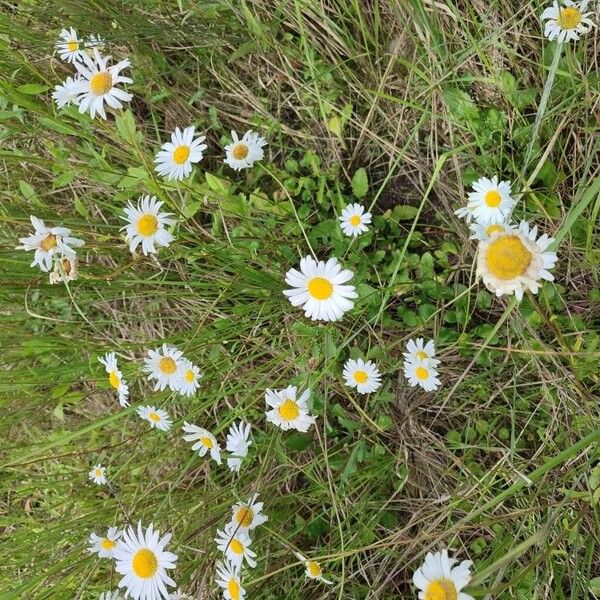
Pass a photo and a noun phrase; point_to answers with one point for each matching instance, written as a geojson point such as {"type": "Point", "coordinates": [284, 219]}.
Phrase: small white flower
{"type": "Point", "coordinates": [364, 376]}
{"type": "Point", "coordinates": [248, 515]}
{"type": "Point", "coordinates": [319, 288]}
{"type": "Point", "coordinates": [566, 20]}
{"type": "Point", "coordinates": [242, 154]}
{"type": "Point", "coordinates": [420, 352]}
{"type": "Point", "coordinates": [65, 270]}
{"type": "Point", "coordinates": [143, 561]}
{"type": "Point", "coordinates": [68, 46]}
{"type": "Point", "coordinates": [313, 569]}
{"type": "Point", "coordinates": [49, 242]}
{"type": "Point", "coordinates": [235, 545]}
{"type": "Point", "coordinates": [164, 365]}
{"type": "Point", "coordinates": [98, 475]}
{"type": "Point", "coordinates": [105, 546]}
{"type": "Point", "coordinates": [175, 158]}
{"type": "Point", "coordinates": [490, 202]}
{"type": "Point", "coordinates": [238, 441]}
{"type": "Point", "coordinates": [146, 225]}
{"type": "Point", "coordinates": [289, 412]}
{"type": "Point", "coordinates": [422, 374]}
{"type": "Point", "coordinates": [228, 579]}
{"type": "Point", "coordinates": [115, 377]}
{"type": "Point", "coordinates": [65, 93]}
{"type": "Point", "coordinates": [187, 378]}
{"type": "Point", "coordinates": [484, 231]}
{"type": "Point", "coordinates": [354, 220]}
{"type": "Point", "coordinates": [438, 578]}
{"type": "Point", "coordinates": [206, 441]}
{"type": "Point", "coordinates": [156, 417]}
{"type": "Point", "coordinates": [514, 261]}
{"type": "Point", "coordinates": [110, 595]}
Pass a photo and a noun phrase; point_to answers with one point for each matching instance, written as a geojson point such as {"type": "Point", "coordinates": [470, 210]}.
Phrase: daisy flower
{"type": "Point", "coordinates": [484, 231]}
{"type": "Point", "coordinates": [418, 351]}
{"type": "Point", "coordinates": [146, 225]}
{"type": "Point", "coordinates": [514, 261]}
{"type": "Point", "coordinates": [97, 84]}
{"type": "Point", "coordinates": [206, 441]}
{"type": "Point", "coordinates": [228, 579]}
{"type": "Point", "coordinates": [319, 288]}
{"type": "Point", "coordinates": [421, 373]}
{"type": "Point", "coordinates": [98, 474]}
{"type": "Point", "coordinates": [235, 545]}
{"type": "Point", "coordinates": [156, 417]}
{"type": "Point", "coordinates": [238, 441]}
{"type": "Point", "coordinates": [364, 376]}
{"type": "Point", "coordinates": [163, 365]}
{"type": "Point", "coordinates": [242, 154]}
{"type": "Point", "coordinates": [248, 515]}
{"type": "Point", "coordinates": [65, 270]}
{"type": "Point", "coordinates": [142, 560]}
{"type": "Point", "coordinates": [187, 379]}
{"type": "Point", "coordinates": [174, 160]}
{"type": "Point", "coordinates": [313, 569]}
{"type": "Point", "coordinates": [289, 412]}
{"type": "Point", "coordinates": [104, 546]}
{"type": "Point", "coordinates": [110, 595]}
{"type": "Point", "coordinates": [566, 20]}
{"type": "Point", "coordinates": [438, 578]}
{"type": "Point", "coordinates": [115, 377]}
{"type": "Point", "coordinates": [354, 220]}
{"type": "Point", "coordinates": [490, 202]}
{"type": "Point", "coordinates": [49, 242]}
{"type": "Point", "coordinates": [65, 92]}
{"type": "Point", "coordinates": [69, 46]}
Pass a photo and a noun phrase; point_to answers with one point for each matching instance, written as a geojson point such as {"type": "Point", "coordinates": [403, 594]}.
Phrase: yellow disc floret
{"type": "Point", "coordinates": [355, 220]}
{"type": "Point", "coordinates": [507, 257]}
{"type": "Point", "coordinates": [421, 373]}
{"type": "Point", "coordinates": [569, 17]}
{"type": "Point", "coordinates": [360, 376]}
{"type": "Point", "coordinates": [167, 365]}
{"type": "Point", "coordinates": [240, 151]}
{"type": "Point", "coordinates": [101, 83]}
{"type": "Point", "coordinates": [181, 154]}
{"type": "Point", "coordinates": [320, 288]}
{"type": "Point", "coordinates": [244, 516]}
{"type": "Point", "coordinates": [144, 563]}
{"type": "Point", "coordinates": [49, 242]}
{"type": "Point", "coordinates": [289, 410]}
{"type": "Point", "coordinates": [493, 198]}
{"type": "Point", "coordinates": [441, 589]}
{"type": "Point", "coordinates": [147, 225]}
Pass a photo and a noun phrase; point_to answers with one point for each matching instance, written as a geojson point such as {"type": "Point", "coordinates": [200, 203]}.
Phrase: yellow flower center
{"type": "Point", "coordinates": [421, 355]}
{"type": "Point", "coordinates": [167, 365]}
{"type": "Point", "coordinates": [492, 198]}
{"type": "Point", "coordinates": [72, 46]}
{"type": "Point", "coordinates": [421, 373]}
{"type": "Point", "coordinates": [244, 516]}
{"type": "Point", "coordinates": [147, 225]}
{"type": "Point", "coordinates": [154, 417]}
{"type": "Point", "coordinates": [289, 410]}
{"type": "Point", "coordinates": [108, 544]}
{"type": "Point", "coordinates": [441, 589]}
{"type": "Point", "coordinates": [314, 568]}
{"type": "Point", "coordinates": [240, 151]}
{"type": "Point", "coordinates": [98, 473]}
{"type": "Point", "coordinates": [355, 220]}
{"type": "Point", "coordinates": [181, 154]}
{"type": "Point", "coordinates": [189, 376]}
{"type": "Point", "coordinates": [206, 441]}
{"type": "Point", "coordinates": [49, 242]}
{"type": "Point", "coordinates": [114, 380]}
{"type": "Point", "coordinates": [569, 17]}
{"type": "Point", "coordinates": [101, 83]}
{"type": "Point", "coordinates": [360, 376]}
{"type": "Point", "coordinates": [320, 288]}
{"type": "Point", "coordinates": [507, 257]}
{"type": "Point", "coordinates": [236, 546]}
{"type": "Point", "coordinates": [494, 229]}
{"type": "Point", "coordinates": [144, 563]}
{"type": "Point", "coordinates": [233, 587]}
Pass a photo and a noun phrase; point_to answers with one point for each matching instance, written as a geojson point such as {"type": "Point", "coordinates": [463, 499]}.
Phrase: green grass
{"type": "Point", "coordinates": [501, 464]}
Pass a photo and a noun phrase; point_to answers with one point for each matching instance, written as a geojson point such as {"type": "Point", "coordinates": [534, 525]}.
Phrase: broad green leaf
{"type": "Point", "coordinates": [360, 183]}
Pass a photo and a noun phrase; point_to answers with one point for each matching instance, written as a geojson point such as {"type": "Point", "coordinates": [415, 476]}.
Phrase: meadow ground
{"type": "Point", "coordinates": [400, 105]}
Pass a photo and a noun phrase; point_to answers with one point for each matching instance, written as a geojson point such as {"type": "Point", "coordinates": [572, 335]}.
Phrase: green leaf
{"type": "Point", "coordinates": [405, 212]}
{"type": "Point", "coordinates": [335, 126]}
{"type": "Point", "coordinates": [360, 183]}
{"type": "Point", "coordinates": [126, 127]}
{"type": "Point", "coordinates": [215, 184]}
{"type": "Point", "coordinates": [32, 89]}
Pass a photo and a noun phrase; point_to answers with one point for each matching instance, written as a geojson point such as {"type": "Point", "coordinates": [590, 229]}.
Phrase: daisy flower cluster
{"type": "Point", "coordinates": [168, 368]}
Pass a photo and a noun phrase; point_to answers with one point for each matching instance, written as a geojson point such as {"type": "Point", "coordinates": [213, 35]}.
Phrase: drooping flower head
{"type": "Point", "coordinates": [206, 442]}
{"type": "Point", "coordinates": [238, 442]}
{"type": "Point", "coordinates": [115, 377]}
{"type": "Point", "coordinates": [313, 569]}
{"type": "Point", "coordinates": [228, 579]}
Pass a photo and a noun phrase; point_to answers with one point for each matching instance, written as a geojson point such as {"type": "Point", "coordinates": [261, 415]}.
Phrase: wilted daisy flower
{"type": "Point", "coordinates": [438, 579]}
{"type": "Point", "coordinates": [514, 261]}
{"type": "Point", "coordinates": [146, 225]}
{"type": "Point", "coordinates": [289, 412]}
{"type": "Point", "coordinates": [248, 515]}
{"type": "Point", "coordinates": [238, 441]}
{"type": "Point", "coordinates": [313, 569]}
{"type": "Point", "coordinates": [142, 560]}
{"type": "Point", "coordinates": [364, 376]}
{"type": "Point", "coordinates": [242, 154]}
{"type": "Point", "coordinates": [187, 378]}
{"type": "Point", "coordinates": [49, 242]}
{"type": "Point", "coordinates": [175, 159]}
{"type": "Point", "coordinates": [105, 546]}
{"type": "Point", "coordinates": [69, 46]}
{"type": "Point", "coordinates": [97, 84]}
{"type": "Point", "coordinates": [318, 288]}
{"type": "Point", "coordinates": [490, 202]}
{"type": "Point", "coordinates": [484, 231]}
{"type": "Point", "coordinates": [228, 579]}
{"type": "Point", "coordinates": [115, 377]}
{"type": "Point", "coordinates": [421, 373]}
{"type": "Point", "coordinates": [235, 545]}
{"type": "Point", "coordinates": [98, 474]}
{"type": "Point", "coordinates": [566, 20]}
{"type": "Point", "coordinates": [206, 441]}
{"type": "Point", "coordinates": [65, 92]}
{"type": "Point", "coordinates": [65, 270]}
{"type": "Point", "coordinates": [156, 417]}
{"type": "Point", "coordinates": [110, 595]}
{"type": "Point", "coordinates": [418, 351]}
{"type": "Point", "coordinates": [354, 220]}
{"type": "Point", "coordinates": [163, 365]}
